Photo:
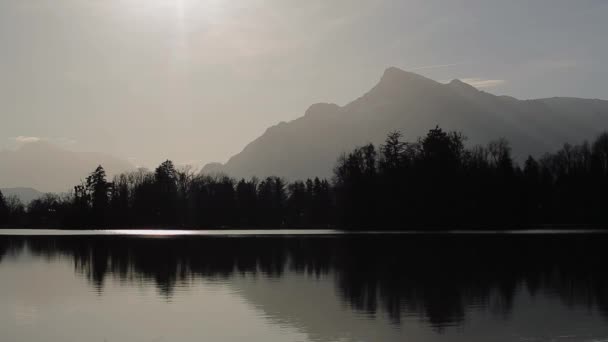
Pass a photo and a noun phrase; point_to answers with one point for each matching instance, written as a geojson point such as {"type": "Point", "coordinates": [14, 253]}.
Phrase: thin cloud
{"type": "Point", "coordinates": [483, 83]}
{"type": "Point", "coordinates": [22, 139]}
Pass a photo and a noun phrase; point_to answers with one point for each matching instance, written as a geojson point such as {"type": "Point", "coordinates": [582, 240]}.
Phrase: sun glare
{"type": "Point", "coordinates": [149, 232]}
{"type": "Point", "coordinates": [183, 17]}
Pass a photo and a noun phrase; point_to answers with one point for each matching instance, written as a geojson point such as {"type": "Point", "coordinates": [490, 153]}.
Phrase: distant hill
{"type": "Point", "coordinates": [413, 104]}
{"type": "Point", "coordinates": [26, 195]}
{"type": "Point", "coordinates": [49, 168]}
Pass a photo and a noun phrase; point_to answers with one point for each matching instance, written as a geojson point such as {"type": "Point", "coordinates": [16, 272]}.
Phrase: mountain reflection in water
{"type": "Point", "coordinates": [440, 280]}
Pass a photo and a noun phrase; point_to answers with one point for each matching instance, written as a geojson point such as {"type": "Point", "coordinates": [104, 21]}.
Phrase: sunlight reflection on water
{"type": "Point", "coordinates": [286, 232]}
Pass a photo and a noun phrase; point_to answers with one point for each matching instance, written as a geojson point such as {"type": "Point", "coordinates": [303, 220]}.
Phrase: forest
{"type": "Point", "coordinates": [435, 182]}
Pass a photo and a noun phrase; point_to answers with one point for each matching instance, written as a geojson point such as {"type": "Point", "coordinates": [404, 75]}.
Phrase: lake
{"type": "Point", "coordinates": [145, 286]}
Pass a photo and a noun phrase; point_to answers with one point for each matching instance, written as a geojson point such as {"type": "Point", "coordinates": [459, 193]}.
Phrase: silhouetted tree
{"type": "Point", "coordinates": [46, 211]}
{"type": "Point", "coordinates": [298, 204]}
{"type": "Point", "coordinates": [600, 153]}
{"type": "Point", "coordinates": [165, 192]}
{"type": "Point", "coordinates": [4, 212]}
{"type": "Point", "coordinates": [272, 198]}
{"type": "Point", "coordinates": [12, 211]}
{"type": "Point", "coordinates": [442, 150]}
{"type": "Point", "coordinates": [120, 201]}
{"type": "Point", "coordinates": [321, 208]}
{"type": "Point", "coordinates": [99, 191]}
{"type": "Point", "coordinates": [246, 202]}
{"type": "Point", "coordinates": [439, 166]}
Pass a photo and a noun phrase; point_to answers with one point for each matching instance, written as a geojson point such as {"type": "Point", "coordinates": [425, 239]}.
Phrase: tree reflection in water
{"type": "Point", "coordinates": [437, 277]}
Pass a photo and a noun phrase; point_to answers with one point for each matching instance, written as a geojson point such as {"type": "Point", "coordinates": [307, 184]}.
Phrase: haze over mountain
{"type": "Point", "coordinates": [25, 195]}
{"type": "Point", "coordinates": [413, 104]}
{"type": "Point", "coordinates": [49, 168]}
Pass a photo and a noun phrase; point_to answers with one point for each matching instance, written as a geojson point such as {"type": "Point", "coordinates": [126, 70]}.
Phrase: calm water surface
{"type": "Point", "coordinates": [302, 286]}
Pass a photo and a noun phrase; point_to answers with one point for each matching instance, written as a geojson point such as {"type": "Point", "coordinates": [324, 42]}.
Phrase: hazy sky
{"type": "Point", "coordinates": [195, 80]}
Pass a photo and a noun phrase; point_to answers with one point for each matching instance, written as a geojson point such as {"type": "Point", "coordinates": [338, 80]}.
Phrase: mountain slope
{"type": "Point", "coordinates": [25, 195]}
{"type": "Point", "coordinates": [48, 168]}
{"type": "Point", "coordinates": [413, 104]}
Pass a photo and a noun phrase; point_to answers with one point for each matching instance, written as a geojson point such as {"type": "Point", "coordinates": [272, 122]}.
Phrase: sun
{"type": "Point", "coordinates": [183, 19]}
{"type": "Point", "coordinates": [178, 10]}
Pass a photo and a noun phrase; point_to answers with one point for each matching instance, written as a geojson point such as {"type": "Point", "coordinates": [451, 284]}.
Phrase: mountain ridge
{"type": "Point", "coordinates": [49, 168]}
{"type": "Point", "coordinates": [24, 194]}
{"type": "Point", "coordinates": [309, 145]}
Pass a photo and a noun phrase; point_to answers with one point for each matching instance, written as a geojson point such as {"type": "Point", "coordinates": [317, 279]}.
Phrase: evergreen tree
{"type": "Point", "coordinates": [165, 194]}
{"type": "Point", "coordinates": [99, 193]}
{"type": "Point", "coordinates": [4, 212]}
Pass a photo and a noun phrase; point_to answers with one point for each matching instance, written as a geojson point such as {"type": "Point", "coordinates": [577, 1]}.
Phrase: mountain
{"type": "Point", "coordinates": [276, 302]}
{"type": "Point", "coordinates": [49, 168]}
{"type": "Point", "coordinates": [413, 104]}
{"type": "Point", "coordinates": [26, 195]}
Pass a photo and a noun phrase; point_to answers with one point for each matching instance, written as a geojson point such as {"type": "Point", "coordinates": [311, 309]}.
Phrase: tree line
{"type": "Point", "coordinates": [435, 181]}
{"type": "Point", "coordinates": [172, 197]}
